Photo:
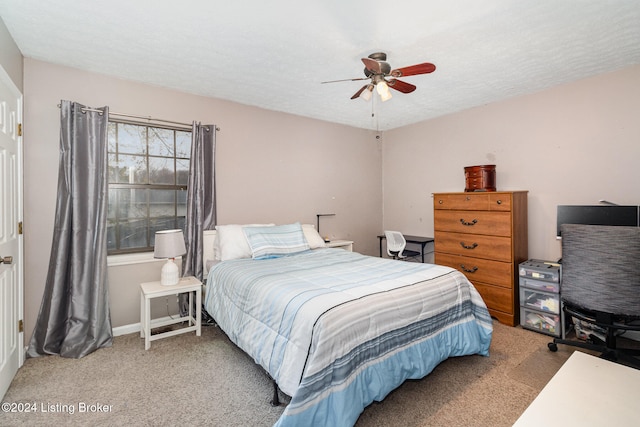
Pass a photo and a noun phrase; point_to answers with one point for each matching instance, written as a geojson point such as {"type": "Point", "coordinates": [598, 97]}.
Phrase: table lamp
{"type": "Point", "coordinates": [326, 239]}
{"type": "Point", "coordinates": [169, 244]}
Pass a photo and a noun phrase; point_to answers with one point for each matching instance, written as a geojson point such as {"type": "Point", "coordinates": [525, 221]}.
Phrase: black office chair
{"type": "Point", "coordinates": [601, 286]}
{"type": "Point", "coordinates": [396, 245]}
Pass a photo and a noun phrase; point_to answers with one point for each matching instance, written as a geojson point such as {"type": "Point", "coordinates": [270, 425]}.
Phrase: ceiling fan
{"type": "Point", "coordinates": [382, 77]}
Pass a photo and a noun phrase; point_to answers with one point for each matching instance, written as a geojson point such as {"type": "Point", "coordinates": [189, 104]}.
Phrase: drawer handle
{"type": "Point", "coordinates": [467, 270]}
{"type": "Point", "coordinates": [499, 202]}
{"type": "Point", "coordinates": [468, 223]}
{"type": "Point", "coordinates": [472, 246]}
{"type": "Point", "coordinates": [440, 202]}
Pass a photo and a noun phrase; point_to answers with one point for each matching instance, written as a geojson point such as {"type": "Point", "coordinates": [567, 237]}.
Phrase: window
{"type": "Point", "coordinates": [148, 177]}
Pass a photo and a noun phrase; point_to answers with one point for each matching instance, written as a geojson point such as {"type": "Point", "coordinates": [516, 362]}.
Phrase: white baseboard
{"type": "Point", "coordinates": [126, 329]}
{"type": "Point", "coordinates": [117, 331]}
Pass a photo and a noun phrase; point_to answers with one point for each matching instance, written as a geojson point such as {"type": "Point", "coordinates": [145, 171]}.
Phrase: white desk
{"type": "Point", "coordinates": [151, 290]}
{"type": "Point", "coordinates": [587, 391]}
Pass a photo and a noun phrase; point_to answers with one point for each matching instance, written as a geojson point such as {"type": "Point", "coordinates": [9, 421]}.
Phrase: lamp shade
{"type": "Point", "coordinates": [169, 244]}
{"type": "Point", "coordinates": [383, 91]}
{"type": "Point", "coordinates": [366, 94]}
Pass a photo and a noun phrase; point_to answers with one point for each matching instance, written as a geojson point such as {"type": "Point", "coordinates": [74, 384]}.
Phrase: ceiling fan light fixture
{"type": "Point", "coordinates": [383, 90]}
{"type": "Point", "coordinates": [366, 94]}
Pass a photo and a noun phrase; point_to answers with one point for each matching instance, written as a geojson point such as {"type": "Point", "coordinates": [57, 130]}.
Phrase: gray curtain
{"type": "Point", "coordinates": [74, 315]}
{"type": "Point", "coordinates": [201, 200]}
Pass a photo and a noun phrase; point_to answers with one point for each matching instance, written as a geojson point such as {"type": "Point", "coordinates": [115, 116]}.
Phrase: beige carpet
{"type": "Point", "coordinates": [538, 368]}
{"type": "Point", "coordinates": [188, 380]}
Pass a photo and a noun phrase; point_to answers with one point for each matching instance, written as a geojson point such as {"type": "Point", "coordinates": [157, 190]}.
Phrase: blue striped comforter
{"type": "Point", "coordinates": [338, 330]}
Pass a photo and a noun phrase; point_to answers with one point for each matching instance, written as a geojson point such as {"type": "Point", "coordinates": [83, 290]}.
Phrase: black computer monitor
{"type": "Point", "coordinates": [597, 215]}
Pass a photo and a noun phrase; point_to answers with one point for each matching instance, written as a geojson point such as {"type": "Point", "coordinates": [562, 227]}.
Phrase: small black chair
{"type": "Point", "coordinates": [601, 286]}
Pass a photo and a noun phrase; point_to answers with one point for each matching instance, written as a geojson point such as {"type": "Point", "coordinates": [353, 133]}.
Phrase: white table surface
{"type": "Point", "coordinates": [587, 391]}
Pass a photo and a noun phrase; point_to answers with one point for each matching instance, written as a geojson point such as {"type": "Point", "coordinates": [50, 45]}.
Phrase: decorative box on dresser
{"type": "Point", "coordinates": [484, 235]}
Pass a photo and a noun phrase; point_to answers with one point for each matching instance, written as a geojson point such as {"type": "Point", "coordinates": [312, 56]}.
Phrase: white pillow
{"type": "Point", "coordinates": [312, 236]}
{"type": "Point", "coordinates": [272, 242]}
{"type": "Point", "coordinates": [231, 241]}
{"type": "Point", "coordinates": [216, 247]}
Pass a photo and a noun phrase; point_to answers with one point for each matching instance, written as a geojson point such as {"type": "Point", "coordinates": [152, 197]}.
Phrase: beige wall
{"type": "Point", "coordinates": [270, 167]}
{"type": "Point", "coordinates": [573, 144]}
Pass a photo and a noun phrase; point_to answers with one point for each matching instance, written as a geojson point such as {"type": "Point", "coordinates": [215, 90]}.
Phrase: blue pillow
{"type": "Point", "coordinates": [276, 241]}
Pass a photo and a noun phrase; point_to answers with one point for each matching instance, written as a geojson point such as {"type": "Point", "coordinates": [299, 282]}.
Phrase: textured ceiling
{"type": "Point", "coordinates": [274, 54]}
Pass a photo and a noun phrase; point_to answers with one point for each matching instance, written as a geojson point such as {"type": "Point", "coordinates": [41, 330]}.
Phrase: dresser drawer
{"type": "Point", "coordinates": [478, 269]}
{"type": "Point", "coordinates": [490, 201]}
{"type": "Point", "coordinates": [499, 202]}
{"type": "Point", "coordinates": [476, 222]}
{"type": "Point", "coordinates": [477, 201]}
{"type": "Point", "coordinates": [496, 298]}
{"type": "Point", "coordinates": [474, 245]}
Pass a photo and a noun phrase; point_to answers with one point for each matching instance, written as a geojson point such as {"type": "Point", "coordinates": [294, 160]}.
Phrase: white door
{"type": "Point", "coordinates": [11, 272]}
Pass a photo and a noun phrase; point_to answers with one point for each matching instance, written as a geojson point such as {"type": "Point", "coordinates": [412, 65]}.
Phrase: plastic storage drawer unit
{"type": "Point", "coordinates": [540, 304]}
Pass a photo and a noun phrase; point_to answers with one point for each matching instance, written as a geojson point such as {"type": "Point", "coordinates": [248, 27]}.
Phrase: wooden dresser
{"type": "Point", "coordinates": [484, 235]}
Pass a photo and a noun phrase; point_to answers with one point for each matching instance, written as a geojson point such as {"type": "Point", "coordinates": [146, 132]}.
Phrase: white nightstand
{"type": "Point", "coordinates": [155, 289]}
{"type": "Point", "coordinates": [347, 245]}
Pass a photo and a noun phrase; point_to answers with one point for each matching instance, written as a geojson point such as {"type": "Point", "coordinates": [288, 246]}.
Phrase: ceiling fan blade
{"type": "Point", "coordinates": [346, 80]}
{"type": "Point", "coordinates": [372, 65]}
{"type": "Point", "coordinates": [357, 94]}
{"type": "Point", "coordinates": [412, 70]}
{"type": "Point", "coordinates": [401, 86]}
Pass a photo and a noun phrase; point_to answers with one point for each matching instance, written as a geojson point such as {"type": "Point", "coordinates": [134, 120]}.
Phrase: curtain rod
{"type": "Point", "coordinates": [148, 118]}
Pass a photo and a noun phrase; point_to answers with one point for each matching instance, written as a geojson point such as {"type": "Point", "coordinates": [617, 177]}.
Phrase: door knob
{"type": "Point", "coordinates": [6, 260]}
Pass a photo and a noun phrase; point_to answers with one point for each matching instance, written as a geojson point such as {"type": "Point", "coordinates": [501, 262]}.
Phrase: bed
{"type": "Point", "coordinates": [336, 330]}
